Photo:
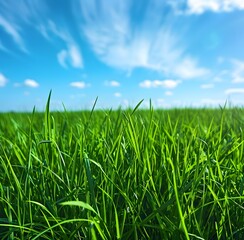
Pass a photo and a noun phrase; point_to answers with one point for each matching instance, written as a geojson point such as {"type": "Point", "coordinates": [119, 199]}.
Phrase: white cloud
{"type": "Point", "coordinates": [146, 84]}
{"type": "Point", "coordinates": [238, 71]}
{"type": "Point", "coordinates": [112, 83]}
{"type": "Point", "coordinates": [151, 44]}
{"type": "Point", "coordinates": [11, 29]}
{"type": "Point", "coordinates": [200, 6]}
{"type": "Point", "coordinates": [3, 80]}
{"type": "Point", "coordinates": [117, 94]}
{"type": "Point", "coordinates": [31, 83]}
{"type": "Point", "coordinates": [233, 71]}
{"type": "Point", "coordinates": [43, 31]}
{"type": "Point", "coordinates": [75, 56]}
{"type": "Point", "coordinates": [234, 91]}
{"type": "Point", "coordinates": [221, 76]}
{"type": "Point", "coordinates": [207, 86]}
{"type": "Point", "coordinates": [158, 83]}
{"type": "Point", "coordinates": [188, 69]}
{"type": "Point", "coordinates": [28, 10]}
{"type": "Point", "coordinates": [80, 84]}
{"type": "Point", "coordinates": [62, 57]}
{"type": "Point", "coordinates": [72, 55]}
{"type": "Point", "coordinates": [60, 33]}
{"type": "Point", "coordinates": [168, 93]}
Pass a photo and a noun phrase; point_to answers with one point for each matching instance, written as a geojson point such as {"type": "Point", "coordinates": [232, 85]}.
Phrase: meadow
{"type": "Point", "coordinates": [122, 174]}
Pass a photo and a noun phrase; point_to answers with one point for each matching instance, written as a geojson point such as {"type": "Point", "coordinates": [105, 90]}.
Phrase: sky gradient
{"type": "Point", "coordinates": [177, 53]}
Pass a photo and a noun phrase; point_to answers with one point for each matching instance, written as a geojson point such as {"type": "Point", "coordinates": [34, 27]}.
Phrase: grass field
{"type": "Point", "coordinates": [124, 174]}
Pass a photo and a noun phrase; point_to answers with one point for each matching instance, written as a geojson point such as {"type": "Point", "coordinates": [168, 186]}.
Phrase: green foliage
{"type": "Point", "coordinates": [125, 174]}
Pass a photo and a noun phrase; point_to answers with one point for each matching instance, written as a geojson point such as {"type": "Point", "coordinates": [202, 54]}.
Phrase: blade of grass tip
{"type": "Point", "coordinates": [88, 121]}
{"type": "Point", "coordinates": [79, 204]}
{"type": "Point", "coordinates": [150, 105]}
{"type": "Point", "coordinates": [65, 110]}
{"type": "Point", "coordinates": [93, 107]}
{"type": "Point", "coordinates": [137, 106]}
{"type": "Point", "coordinates": [47, 117]}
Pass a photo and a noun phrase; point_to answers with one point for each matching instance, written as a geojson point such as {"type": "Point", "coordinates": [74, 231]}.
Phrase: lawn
{"type": "Point", "coordinates": [122, 174]}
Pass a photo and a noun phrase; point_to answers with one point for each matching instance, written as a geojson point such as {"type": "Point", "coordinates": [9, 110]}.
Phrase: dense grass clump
{"type": "Point", "coordinates": [126, 174]}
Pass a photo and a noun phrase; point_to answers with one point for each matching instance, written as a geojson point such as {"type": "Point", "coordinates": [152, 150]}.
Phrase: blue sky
{"type": "Point", "coordinates": [174, 52]}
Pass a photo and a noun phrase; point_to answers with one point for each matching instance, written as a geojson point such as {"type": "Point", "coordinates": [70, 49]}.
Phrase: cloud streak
{"type": "Point", "coordinates": [3, 80]}
{"type": "Point", "coordinates": [72, 53]}
{"type": "Point", "coordinates": [72, 56]}
{"type": "Point", "coordinates": [169, 84]}
{"type": "Point", "coordinates": [117, 94]}
{"type": "Point", "coordinates": [151, 44]}
{"type": "Point", "coordinates": [112, 83]}
{"type": "Point", "coordinates": [79, 85]}
{"type": "Point", "coordinates": [29, 12]}
{"type": "Point", "coordinates": [200, 6]}
{"type": "Point", "coordinates": [197, 7]}
{"type": "Point", "coordinates": [238, 71]}
{"type": "Point", "coordinates": [31, 83]}
{"type": "Point", "coordinates": [207, 86]}
{"type": "Point", "coordinates": [11, 29]}
{"type": "Point", "coordinates": [234, 91]}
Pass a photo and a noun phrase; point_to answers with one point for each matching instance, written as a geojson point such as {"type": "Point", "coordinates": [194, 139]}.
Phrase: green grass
{"type": "Point", "coordinates": [125, 174]}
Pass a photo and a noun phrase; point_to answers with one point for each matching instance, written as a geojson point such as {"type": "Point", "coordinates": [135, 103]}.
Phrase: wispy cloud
{"type": "Point", "coordinates": [117, 94]}
{"type": "Point", "coordinates": [31, 83]}
{"type": "Point", "coordinates": [234, 91]}
{"type": "Point", "coordinates": [151, 44]}
{"type": "Point", "coordinates": [188, 69]}
{"type": "Point", "coordinates": [201, 6]}
{"type": "Point", "coordinates": [238, 71]}
{"type": "Point", "coordinates": [168, 93]}
{"type": "Point", "coordinates": [75, 56]}
{"type": "Point", "coordinates": [72, 53]}
{"type": "Point", "coordinates": [170, 84]}
{"type": "Point", "coordinates": [3, 80]}
{"type": "Point", "coordinates": [232, 71]}
{"type": "Point", "coordinates": [30, 12]}
{"type": "Point", "coordinates": [112, 83]}
{"type": "Point", "coordinates": [42, 29]}
{"type": "Point", "coordinates": [62, 57]}
{"type": "Point", "coordinates": [207, 86]}
{"type": "Point", "coordinates": [80, 84]}
{"type": "Point", "coordinates": [61, 33]}
{"type": "Point", "coordinates": [12, 30]}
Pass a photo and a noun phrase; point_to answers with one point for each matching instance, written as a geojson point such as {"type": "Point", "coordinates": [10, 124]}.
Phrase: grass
{"type": "Point", "coordinates": [125, 174]}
